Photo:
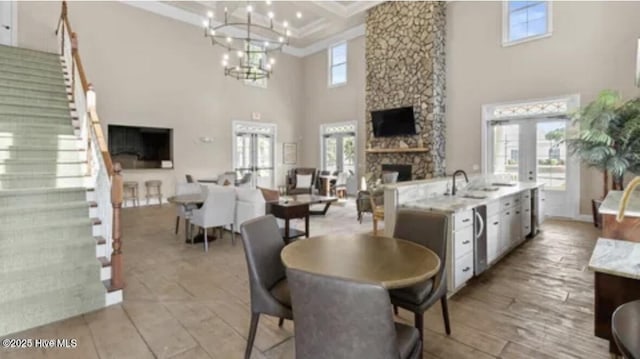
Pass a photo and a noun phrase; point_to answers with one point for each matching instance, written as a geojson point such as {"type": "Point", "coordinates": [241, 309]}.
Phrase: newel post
{"type": "Point", "coordinates": [117, 280]}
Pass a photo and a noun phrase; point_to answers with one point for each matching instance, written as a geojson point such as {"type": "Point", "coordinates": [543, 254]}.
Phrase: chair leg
{"type": "Point", "coordinates": [177, 223]}
{"type": "Point", "coordinates": [419, 323]}
{"type": "Point", "coordinates": [206, 242]}
{"type": "Point", "coordinates": [375, 226]}
{"type": "Point", "coordinates": [445, 314]}
{"type": "Point", "coordinates": [395, 309]}
{"type": "Point", "coordinates": [233, 236]}
{"type": "Point", "coordinates": [281, 322]}
{"type": "Point", "coordinates": [253, 328]}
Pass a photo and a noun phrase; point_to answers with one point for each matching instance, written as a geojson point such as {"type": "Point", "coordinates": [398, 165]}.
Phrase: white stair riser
{"type": "Point", "coordinates": [105, 273]}
{"type": "Point", "coordinates": [114, 297]}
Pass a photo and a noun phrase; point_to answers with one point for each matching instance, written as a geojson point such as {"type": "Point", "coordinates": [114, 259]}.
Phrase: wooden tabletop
{"type": "Point", "coordinates": [187, 199]}
{"type": "Point", "coordinates": [394, 263]}
{"type": "Point", "coordinates": [305, 199]}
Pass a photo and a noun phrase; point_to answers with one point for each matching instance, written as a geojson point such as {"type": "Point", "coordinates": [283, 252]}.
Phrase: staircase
{"type": "Point", "coordinates": [52, 264]}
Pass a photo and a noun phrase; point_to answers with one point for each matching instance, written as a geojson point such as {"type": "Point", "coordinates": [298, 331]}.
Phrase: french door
{"type": "Point", "coordinates": [339, 152]}
{"type": "Point", "coordinates": [534, 150]}
{"type": "Point", "coordinates": [7, 12]}
{"type": "Point", "coordinates": [253, 152]}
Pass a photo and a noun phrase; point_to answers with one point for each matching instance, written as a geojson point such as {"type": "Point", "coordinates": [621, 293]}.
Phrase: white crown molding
{"type": "Point", "coordinates": [188, 17]}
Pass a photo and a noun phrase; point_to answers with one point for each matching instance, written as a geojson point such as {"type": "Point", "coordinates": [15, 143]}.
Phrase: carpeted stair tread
{"type": "Point", "coordinates": [34, 110]}
{"type": "Point", "coordinates": [44, 75]}
{"type": "Point", "coordinates": [42, 190]}
{"type": "Point", "coordinates": [78, 226]}
{"type": "Point", "coordinates": [27, 101]}
{"type": "Point", "coordinates": [18, 257]}
{"type": "Point", "coordinates": [34, 85]}
{"type": "Point", "coordinates": [68, 302]}
{"type": "Point", "coordinates": [29, 208]}
{"type": "Point", "coordinates": [32, 53]}
{"type": "Point", "coordinates": [14, 61]}
{"type": "Point", "coordinates": [38, 128]}
{"type": "Point", "coordinates": [39, 136]}
{"type": "Point", "coordinates": [26, 91]}
{"type": "Point", "coordinates": [7, 64]}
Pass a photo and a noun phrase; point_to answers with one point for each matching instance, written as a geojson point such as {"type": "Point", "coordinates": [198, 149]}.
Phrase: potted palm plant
{"type": "Point", "coordinates": [608, 139]}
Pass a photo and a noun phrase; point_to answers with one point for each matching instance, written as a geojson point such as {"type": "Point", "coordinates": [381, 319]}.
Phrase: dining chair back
{"type": "Point", "coordinates": [338, 318]}
{"type": "Point", "coordinates": [182, 211]}
{"type": "Point", "coordinates": [227, 179]}
{"type": "Point", "coordinates": [428, 229]}
{"type": "Point", "coordinates": [190, 179]}
{"type": "Point", "coordinates": [625, 328]}
{"type": "Point", "coordinates": [218, 210]}
{"type": "Point", "coordinates": [245, 181]}
{"type": "Point", "coordinates": [267, 278]}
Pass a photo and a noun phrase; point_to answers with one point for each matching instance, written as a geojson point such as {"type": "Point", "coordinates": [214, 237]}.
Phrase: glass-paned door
{"type": "Point", "coordinates": [534, 150]}
{"type": "Point", "coordinates": [254, 153]}
{"type": "Point", "coordinates": [339, 153]}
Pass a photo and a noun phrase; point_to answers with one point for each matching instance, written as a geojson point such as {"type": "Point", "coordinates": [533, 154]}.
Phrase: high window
{"type": "Point", "coordinates": [525, 20]}
{"type": "Point", "coordinates": [338, 64]}
{"type": "Point", "coordinates": [255, 59]}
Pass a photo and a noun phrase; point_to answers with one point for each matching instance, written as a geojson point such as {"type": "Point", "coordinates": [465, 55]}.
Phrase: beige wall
{"type": "Point", "coordinates": [593, 47]}
{"type": "Point", "coordinates": [150, 70]}
{"type": "Point", "coordinates": [324, 104]}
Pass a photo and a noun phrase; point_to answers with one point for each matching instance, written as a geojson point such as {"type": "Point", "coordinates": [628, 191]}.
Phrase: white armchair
{"type": "Point", "coordinates": [185, 211]}
{"type": "Point", "coordinates": [219, 209]}
{"type": "Point", "coordinates": [250, 204]}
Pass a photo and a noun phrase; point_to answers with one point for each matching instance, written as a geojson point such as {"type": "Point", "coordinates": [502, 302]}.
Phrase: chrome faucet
{"type": "Point", "coordinates": [453, 190]}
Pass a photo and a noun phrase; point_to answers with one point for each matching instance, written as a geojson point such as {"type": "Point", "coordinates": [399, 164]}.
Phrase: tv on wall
{"type": "Point", "coordinates": [141, 147]}
{"type": "Point", "coordinates": [393, 122]}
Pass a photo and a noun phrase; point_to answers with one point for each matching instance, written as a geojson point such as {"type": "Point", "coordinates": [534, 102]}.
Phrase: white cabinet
{"type": "Point", "coordinates": [506, 217]}
{"type": "Point", "coordinates": [526, 213]}
{"type": "Point", "coordinates": [493, 237]}
{"type": "Point", "coordinates": [516, 227]}
{"type": "Point", "coordinates": [462, 240]}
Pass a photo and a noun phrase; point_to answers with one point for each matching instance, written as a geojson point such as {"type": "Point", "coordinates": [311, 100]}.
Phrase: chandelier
{"type": "Point", "coordinates": [249, 44]}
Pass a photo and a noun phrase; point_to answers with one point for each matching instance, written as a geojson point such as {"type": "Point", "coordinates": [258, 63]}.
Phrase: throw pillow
{"type": "Point", "coordinates": [226, 182]}
{"type": "Point", "coordinates": [303, 181]}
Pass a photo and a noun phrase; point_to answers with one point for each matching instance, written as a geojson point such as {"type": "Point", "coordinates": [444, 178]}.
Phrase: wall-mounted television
{"type": "Point", "coordinates": [141, 147]}
{"type": "Point", "coordinates": [393, 122]}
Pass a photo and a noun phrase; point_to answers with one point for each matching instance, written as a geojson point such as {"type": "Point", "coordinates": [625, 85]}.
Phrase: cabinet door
{"type": "Point", "coordinates": [526, 220]}
{"type": "Point", "coordinates": [493, 237]}
{"type": "Point", "coordinates": [463, 270]}
{"type": "Point", "coordinates": [505, 230]}
{"type": "Point", "coordinates": [516, 227]}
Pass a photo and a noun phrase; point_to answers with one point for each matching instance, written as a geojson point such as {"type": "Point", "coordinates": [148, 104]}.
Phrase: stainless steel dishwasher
{"type": "Point", "coordinates": [480, 239]}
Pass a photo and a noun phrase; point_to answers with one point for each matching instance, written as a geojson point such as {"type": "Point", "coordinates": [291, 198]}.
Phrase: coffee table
{"type": "Point", "coordinates": [291, 207]}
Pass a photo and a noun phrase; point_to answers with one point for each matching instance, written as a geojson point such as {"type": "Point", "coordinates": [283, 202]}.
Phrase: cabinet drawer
{"type": "Point", "coordinates": [463, 241]}
{"type": "Point", "coordinates": [493, 207]}
{"type": "Point", "coordinates": [525, 197]}
{"type": "Point", "coordinates": [462, 219]}
{"type": "Point", "coordinates": [463, 269]}
{"type": "Point", "coordinates": [507, 202]}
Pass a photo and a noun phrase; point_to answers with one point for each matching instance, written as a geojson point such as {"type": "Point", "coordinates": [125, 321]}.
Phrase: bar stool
{"type": "Point", "coordinates": [130, 192]}
{"type": "Point", "coordinates": [154, 190]}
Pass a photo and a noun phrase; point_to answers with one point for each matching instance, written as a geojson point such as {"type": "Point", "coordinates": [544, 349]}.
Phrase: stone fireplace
{"type": "Point", "coordinates": [405, 57]}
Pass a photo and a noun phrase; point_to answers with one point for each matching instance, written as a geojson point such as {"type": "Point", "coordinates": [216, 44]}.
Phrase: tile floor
{"type": "Point", "coordinates": [183, 303]}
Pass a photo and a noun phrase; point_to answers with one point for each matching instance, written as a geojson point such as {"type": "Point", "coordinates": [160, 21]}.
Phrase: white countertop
{"type": "Point", "coordinates": [611, 204]}
{"type": "Point", "coordinates": [616, 257]}
{"type": "Point", "coordinates": [460, 203]}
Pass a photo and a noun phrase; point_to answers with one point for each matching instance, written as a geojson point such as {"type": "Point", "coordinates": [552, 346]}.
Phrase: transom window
{"type": "Point", "coordinates": [525, 20]}
{"type": "Point", "coordinates": [255, 59]}
{"type": "Point", "coordinates": [338, 64]}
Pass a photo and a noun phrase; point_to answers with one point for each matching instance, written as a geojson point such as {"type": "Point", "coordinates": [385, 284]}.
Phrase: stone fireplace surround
{"type": "Point", "coordinates": [405, 58]}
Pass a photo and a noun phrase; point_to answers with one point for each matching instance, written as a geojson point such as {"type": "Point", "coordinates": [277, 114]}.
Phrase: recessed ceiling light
{"type": "Point", "coordinates": [299, 15]}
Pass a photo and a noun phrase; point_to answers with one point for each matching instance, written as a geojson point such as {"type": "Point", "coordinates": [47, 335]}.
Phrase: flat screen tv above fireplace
{"type": "Point", "coordinates": [393, 122]}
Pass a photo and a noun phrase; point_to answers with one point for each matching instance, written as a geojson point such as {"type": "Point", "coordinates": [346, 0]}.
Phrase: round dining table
{"type": "Point", "coordinates": [393, 263]}
{"type": "Point", "coordinates": [188, 201]}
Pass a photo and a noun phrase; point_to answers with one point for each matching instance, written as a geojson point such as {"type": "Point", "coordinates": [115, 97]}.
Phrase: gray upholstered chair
{"type": "Point", "coordinates": [625, 328]}
{"type": "Point", "coordinates": [267, 281]}
{"type": "Point", "coordinates": [430, 230]}
{"type": "Point", "coordinates": [293, 187]}
{"type": "Point", "coordinates": [338, 318]}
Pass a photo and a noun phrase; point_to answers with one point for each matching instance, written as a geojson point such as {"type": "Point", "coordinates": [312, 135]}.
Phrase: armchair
{"type": "Point", "coordinates": [219, 209]}
{"type": "Point", "coordinates": [182, 211]}
{"type": "Point", "coordinates": [299, 182]}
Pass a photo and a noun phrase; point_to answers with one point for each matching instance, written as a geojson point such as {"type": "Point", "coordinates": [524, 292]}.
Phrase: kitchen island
{"type": "Point", "coordinates": [486, 222]}
{"type": "Point", "coordinates": [616, 264]}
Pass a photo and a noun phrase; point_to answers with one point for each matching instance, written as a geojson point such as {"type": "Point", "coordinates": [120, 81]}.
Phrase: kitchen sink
{"type": "Point", "coordinates": [474, 196]}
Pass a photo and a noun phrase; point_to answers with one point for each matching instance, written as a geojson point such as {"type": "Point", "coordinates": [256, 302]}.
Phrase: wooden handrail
{"type": "Point", "coordinates": [113, 170]}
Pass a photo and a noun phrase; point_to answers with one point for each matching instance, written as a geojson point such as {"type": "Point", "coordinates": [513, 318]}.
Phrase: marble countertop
{"type": "Point", "coordinates": [460, 203]}
{"type": "Point", "coordinates": [616, 257]}
{"type": "Point", "coordinates": [611, 204]}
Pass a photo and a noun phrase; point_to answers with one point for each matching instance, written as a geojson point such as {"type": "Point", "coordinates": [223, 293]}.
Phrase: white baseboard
{"type": "Point", "coordinates": [584, 218]}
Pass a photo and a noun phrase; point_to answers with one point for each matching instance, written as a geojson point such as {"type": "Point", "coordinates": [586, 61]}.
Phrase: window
{"type": "Point", "coordinates": [255, 58]}
{"type": "Point", "coordinates": [338, 64]}
{"type": "Point", "coordinates": [525, 20]}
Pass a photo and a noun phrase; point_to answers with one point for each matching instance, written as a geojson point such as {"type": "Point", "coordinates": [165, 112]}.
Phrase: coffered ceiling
{"type": "Point", "coordinates": [314, 25]}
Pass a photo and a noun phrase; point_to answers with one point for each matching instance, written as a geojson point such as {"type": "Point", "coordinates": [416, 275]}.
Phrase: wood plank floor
{"type": "Point", "coordinates": [183, 303]}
